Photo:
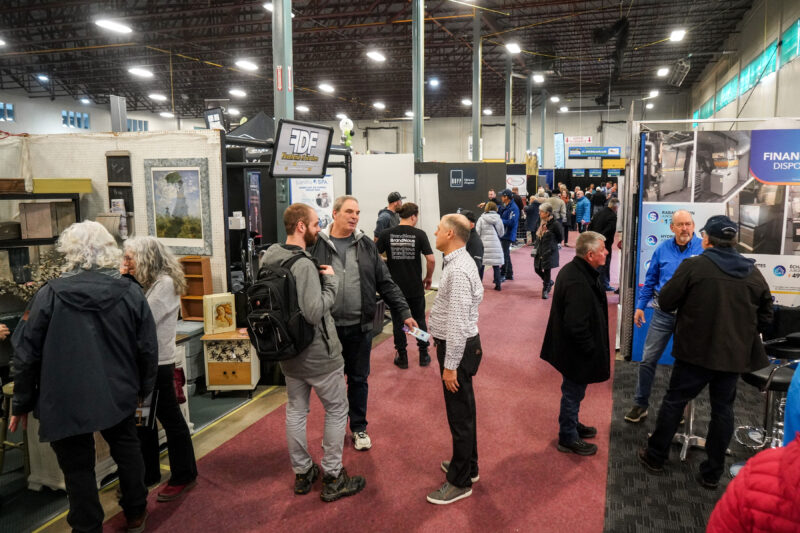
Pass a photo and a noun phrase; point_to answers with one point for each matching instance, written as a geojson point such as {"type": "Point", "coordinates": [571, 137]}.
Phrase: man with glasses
{"type": "Point", "coordinates": [663, 264]}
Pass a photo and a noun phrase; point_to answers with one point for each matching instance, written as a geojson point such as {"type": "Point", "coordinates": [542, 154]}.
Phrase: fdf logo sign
{"type": "Point", "coordinates": [652, 240]}
{"type": "Point", "coordinates": [652, 216]}
{"type": "Point", "coordinates": [303, 141]}
{"type": "Point", "coordinates": [779, 271]}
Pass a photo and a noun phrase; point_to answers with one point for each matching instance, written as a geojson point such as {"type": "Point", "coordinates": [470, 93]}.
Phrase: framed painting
{"type": "Point", "coordinates": [178, 205]}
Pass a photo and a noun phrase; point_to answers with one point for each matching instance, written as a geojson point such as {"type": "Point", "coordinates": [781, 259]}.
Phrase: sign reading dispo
{"type": "Point", "coordinates": [775, 156]}
{"type": "Point", "coordinates": [301, 150]}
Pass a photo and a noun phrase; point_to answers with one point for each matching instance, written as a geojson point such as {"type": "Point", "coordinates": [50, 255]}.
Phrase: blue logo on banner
{"type": "Point", "coordinates": [775, 156]}
{"type": "Point", "coordinates": [779, 270]}
{"type": "Point", "coordinates": [652, 240]}
{"type": "Point", "coordinates": [652, 216]}
{"type": "Point", "coordinates": [647, 265]}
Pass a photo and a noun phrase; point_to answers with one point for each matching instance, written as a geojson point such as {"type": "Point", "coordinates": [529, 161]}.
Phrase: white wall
{"type": "Point", "coordinates": [776, 95]}
{"type": "Point", "coordinates": [41, 115]}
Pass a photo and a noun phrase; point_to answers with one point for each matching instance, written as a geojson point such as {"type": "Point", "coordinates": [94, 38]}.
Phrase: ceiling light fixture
{"type": "Point", "coordinates": [466, 101]}
{"type": "Point", "coordinates": [269, 7]}
{"type": "Point", "coordinates": [663, 71]}
{"type": "Point", "coordinates": [157, 97]}
{"type": "Point", "coordinates": [341, 116]}
{"type": "Point", "coordinates": [376, 56]}
{"type": "Point", "coordinates": [237, 92]}
{"type": "Point", "coordinates": [677, 35]}
{"type": "Point", "coordinates": [167, 114]}
{"type": "Point", "coordinates": [649, 106]}
{"type": "Point", "coordinates": [379, 105]}
{"type": "Point", "coordinates": [513, 48]}
{"type": "Point", "coordinates": [244, 64]}
{"type": "Point", "coordinates": [538, 78]}
{"type": "Point", "coordinates": [410, 114]}
{"type": "Point", "coordinates": [326, 87]}
{"type": "Point", "coordinates": [42, 77]}
{"type": "Point", "coordinates": [433, 82]}
{"type": "Point", "coordinates": [555, 99]}
{"type": "Point", "coordinates": [2, 42]}
{"type": "Point", "coordinates": [113, 26]}
{"type": "Point", "coordinates": [85, 101]}
{"type": "Point", "coordinates": [302, 108]}
{"type": "Point", "coordinates": [487, 111]}
{"type": "Point", "coordinates": [564, 109]}
{"type": "Point", "coordinates": [654, 93]}
{"type": "Point", "coordinates": [234, 112]}
{"type": "Point", "coordinates": [141, 72]}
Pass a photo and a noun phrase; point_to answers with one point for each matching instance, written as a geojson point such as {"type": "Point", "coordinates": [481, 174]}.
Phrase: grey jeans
{"type": "Point", "coordinates": [332, 392]}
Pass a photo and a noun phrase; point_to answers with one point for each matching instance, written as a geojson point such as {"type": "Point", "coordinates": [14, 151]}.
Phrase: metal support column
{"type": "Point", "coordinates": [282, 90]}
{"type": "Point", "coordinates": [544, 121]}
{"type": "Point", "coordinates": [477, 51]}
{"type": "Point", "coordinates": [528, 112]}
{"type": "Point", "coordinates": [508, 107]}
{"type": "Point", "coordinates": [418, 74]}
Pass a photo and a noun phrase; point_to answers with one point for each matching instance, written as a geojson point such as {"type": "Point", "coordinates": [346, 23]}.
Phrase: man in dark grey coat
{"type": "Point", "coordinates": [723, 303]}
{"type": "Point", "coordinates": [85, 355]}
{"type": "Point", "coordinates": [576, 341]}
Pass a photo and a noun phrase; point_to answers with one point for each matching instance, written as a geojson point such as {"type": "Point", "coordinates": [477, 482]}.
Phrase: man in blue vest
{"type": "Point", "coordinates": [663, 264]}
{"type": "Point", "coordinates": [509, 212]}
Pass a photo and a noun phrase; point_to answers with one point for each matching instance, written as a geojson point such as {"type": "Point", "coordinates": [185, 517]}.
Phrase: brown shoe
{"type": "Point", "coordinates": [173, 492]}
{"type": "Point", "coordinates": [137, 525]}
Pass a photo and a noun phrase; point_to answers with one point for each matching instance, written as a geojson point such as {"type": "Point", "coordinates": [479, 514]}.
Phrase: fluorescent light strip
{"type": "Point", "coordinates": [113, 26]}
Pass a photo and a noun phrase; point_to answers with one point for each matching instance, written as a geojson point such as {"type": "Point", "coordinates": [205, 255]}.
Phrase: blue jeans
{"type": "Point", "coordinates": [571, 396]}
{"type": "Point", "coordinates": [507, 270]}
{"type": "Point", "coordinates": [356, 347]}
{"type": "Point", "coordinates": [685, 383]}
{"type": "Point", "coordinates": [662, 325]}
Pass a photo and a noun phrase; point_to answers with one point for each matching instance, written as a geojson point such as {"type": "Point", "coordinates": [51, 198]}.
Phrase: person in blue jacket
{"type": "Point", "coordinates": [668, 255]}
{"type": "Point", "coordinates": [509, 213]}
{"type": "Point", "coordinates": [791, 421]}
{"type": "Point", "coordinates": [583, 211]}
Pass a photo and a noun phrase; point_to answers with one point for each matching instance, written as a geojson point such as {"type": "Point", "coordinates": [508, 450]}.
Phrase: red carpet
{"type": "Point", "coordinates": [525, 485]}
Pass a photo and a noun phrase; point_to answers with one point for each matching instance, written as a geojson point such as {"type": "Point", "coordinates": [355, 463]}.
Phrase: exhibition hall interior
{"type": "Point", "coordinates": [575, 303]}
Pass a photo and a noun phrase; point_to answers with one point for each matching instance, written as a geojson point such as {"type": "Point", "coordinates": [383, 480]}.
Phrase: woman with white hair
{"type": "Point", "coordinates": [161, 277]}
{"type": "Point", "coordinates": [84, 355]}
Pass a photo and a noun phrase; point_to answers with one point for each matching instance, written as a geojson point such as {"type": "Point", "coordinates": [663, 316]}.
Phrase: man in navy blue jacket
{"type": "Point", "coordinates": [663, 264]}
{"type": "Point", "coordinates": [509, 212]}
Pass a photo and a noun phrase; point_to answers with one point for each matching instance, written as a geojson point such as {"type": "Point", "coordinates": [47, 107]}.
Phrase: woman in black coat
{"type": "Point", "coordinates": [545, 258]}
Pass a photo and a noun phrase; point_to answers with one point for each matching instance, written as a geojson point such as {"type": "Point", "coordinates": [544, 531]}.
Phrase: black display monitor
{"type": "Point", "coordinates": [301, 150]}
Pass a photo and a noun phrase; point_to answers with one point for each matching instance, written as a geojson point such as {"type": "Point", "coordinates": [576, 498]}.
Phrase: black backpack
{"type": "Point", "coordinates": [277, 328]}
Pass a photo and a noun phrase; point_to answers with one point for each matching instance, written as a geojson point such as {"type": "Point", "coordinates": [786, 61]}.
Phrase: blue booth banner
{"type": "Point", "coordinates": [595, 172]}
{"type": "Point", "coordinates": [594, 151]}
{"type": "Point", "coordinates": [775, 156]}
{"type": "Point", "coordinates": [614, 172]}
{"type": "Point", "coordinates": [578, 172]}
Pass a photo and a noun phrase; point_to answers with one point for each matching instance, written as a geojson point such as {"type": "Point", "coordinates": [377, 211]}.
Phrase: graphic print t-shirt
{"type": "Point", "coordinates": [403, 246]}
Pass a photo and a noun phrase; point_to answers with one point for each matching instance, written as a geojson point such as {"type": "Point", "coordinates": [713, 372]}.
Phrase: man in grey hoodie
{"type": "Point", "coordinates": [320, 366]}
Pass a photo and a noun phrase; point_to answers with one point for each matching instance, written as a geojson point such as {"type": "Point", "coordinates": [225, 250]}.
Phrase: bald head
{"type": "Point", "coordinates": [452, 233]}
{"type": "Point", "coordinates": [682, 226]}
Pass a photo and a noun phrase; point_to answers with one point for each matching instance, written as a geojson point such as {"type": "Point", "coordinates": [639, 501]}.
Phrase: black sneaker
{"type": "Point", "coordinates": [636, 414]}
{"type": "Point", "coordinates": [304, 482]}
{"type": "Point", "coordinates": [586, 432]}
{"type": "Point", "coordinates": [424, 358]}
{"type": "Point", "coordinates": [334, 488]}
{"type": "Point", "coordinates": [401, 359]}
{"type": "Point", "coordinates": [648, 463]}
{"type": "Point", "coordinates": [705, 483]}
{"type": "Point", "coordinates": [578, 447]}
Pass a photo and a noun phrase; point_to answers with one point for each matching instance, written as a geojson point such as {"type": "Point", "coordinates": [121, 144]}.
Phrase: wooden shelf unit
{"type": "Point", "coordinates": [197, 270]}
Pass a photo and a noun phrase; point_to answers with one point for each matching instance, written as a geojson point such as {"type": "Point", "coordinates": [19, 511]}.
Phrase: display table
{"type": "Point", "coordinates": [231, 362]}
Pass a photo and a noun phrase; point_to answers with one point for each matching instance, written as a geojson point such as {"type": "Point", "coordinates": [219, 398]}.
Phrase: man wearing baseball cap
{"type": "Point", "coordinates": [722, 303]}
{"type": "Point", "coordinates": [509, 213]}
{"type": "Point", "coordinates": [388, 217]}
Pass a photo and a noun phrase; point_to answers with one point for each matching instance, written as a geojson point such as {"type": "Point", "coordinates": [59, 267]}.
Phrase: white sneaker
{"type": "Point", "coordinates": [361, 441]}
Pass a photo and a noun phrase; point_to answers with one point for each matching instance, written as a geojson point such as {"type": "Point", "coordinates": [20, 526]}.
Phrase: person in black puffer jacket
{"type": "Point", "coordinates": [546, 242]}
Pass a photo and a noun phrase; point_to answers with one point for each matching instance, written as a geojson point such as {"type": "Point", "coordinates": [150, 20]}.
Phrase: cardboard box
{"type": "Point", "coordinates": [45, 220]}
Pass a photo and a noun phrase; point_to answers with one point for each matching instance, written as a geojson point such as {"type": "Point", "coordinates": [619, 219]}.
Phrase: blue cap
{"type": "Point", "coordinates": [507, 192]}
{"type": "Point", "coordinates": [721, 227]}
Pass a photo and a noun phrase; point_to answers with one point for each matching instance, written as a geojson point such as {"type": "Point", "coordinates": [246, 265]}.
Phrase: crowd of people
{"type": "Point", "coordinates": [117, 310]}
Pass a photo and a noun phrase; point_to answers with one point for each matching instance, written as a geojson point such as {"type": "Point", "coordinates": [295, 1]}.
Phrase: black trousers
{"type": "Point", "coordinates": [461, 417]}
{"type": "Point", "coordinates": [507, 269]}
{"type": "Point", "coordinates": [417, 306]}
{"type": "Point", "coordinates": [565, 227]}
{"type": "Point", "coordinates": [179, 441]}
{"type": "Point", "coordinates": [544, 274]}
{"type": "Point", "coordinates": [356, 349]}
{"type": "Point", "coordinates": [76, 458]}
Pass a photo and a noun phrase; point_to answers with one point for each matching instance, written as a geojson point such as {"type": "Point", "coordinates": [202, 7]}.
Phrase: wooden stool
{"type": "Point", "coordinates": [8, 394]}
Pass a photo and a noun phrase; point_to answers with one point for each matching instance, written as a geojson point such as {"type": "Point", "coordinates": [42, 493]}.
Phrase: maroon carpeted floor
{"type": "Point", "coordinates": [525, 485]}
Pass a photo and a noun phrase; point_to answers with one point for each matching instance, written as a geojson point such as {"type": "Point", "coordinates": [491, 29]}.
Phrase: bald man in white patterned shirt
{"type": "Point", "coordinates": [454, 327]}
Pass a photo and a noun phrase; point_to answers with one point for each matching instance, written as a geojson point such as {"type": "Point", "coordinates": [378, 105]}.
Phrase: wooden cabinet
{"type": "Point", "coordinates": [198, 280]}
{"type": "Point", "coordinates": [231, 362]}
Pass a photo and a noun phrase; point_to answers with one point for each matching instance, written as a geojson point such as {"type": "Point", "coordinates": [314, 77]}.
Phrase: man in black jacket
{"type": "Point", "coordinates": [576, 340]}
{"type": "Point", "coordinates": [84, 356]}
{"type": "Point", "coordinates": [474, 244]}
{"type": "Point", "coordinates": [361, 273]}
{"type": "Point", "coordinates": [723, 303]}
{"type": "Point", "coordinates": [604, 222]}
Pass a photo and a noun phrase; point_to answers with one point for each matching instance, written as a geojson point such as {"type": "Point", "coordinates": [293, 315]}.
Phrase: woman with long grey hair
{"type": "Point", "coordinates": [161, 276]}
